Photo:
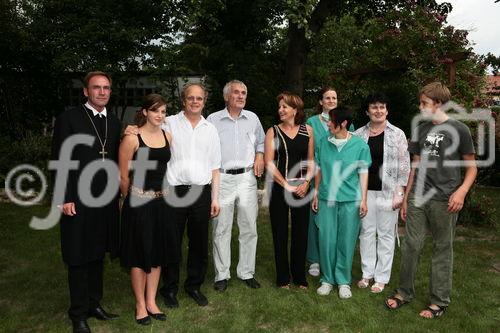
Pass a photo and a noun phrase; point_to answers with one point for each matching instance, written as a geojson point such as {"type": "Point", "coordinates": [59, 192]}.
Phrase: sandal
{"type": "Point", "coordinates": [399, 302]}
{"type": "Point", "coordinates": [377, 287]}
{"type": "Point", "coordinates": [435, 313]}
{"type": "Point", "coordinates": [303, 287]}
{"type": "Point", "coordinates": [363, 283]}
{"type": "Point", "coordinates": [285, 286]}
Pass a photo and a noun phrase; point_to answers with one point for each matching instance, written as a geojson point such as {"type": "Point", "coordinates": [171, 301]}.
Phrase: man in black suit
{"type": "Point", "coordinates": [87, 232]}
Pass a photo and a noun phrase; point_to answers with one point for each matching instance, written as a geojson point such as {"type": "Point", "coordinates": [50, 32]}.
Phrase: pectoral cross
{"type": "Point", "coordinates": [103, 153]}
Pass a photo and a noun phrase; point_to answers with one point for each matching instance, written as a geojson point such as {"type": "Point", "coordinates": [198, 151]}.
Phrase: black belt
{"type": "Point", "coordinates": [236, 171]}
{"type": "Point", "coordinates": [187, 187]}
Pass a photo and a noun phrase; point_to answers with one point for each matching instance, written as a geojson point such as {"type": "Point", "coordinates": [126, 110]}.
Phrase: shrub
{"type": "Point", "coordinates": [478, 210]}
{"type": "Point", "coordinates": [34, 149]}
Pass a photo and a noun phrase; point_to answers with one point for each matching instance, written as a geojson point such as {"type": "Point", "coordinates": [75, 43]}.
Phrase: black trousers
{"type": "Point", "coordinates": [85, 288]}
{"type": "Point", "coordinates": [196, 217]}
{"type": "Point", "coordinates": [279, 211]}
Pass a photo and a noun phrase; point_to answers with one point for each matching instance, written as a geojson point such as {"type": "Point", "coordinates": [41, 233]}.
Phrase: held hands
{"type": "Point", "coordinates": [456, 201]}
{"type": "Point", "coordinates": [363, 209]}
{"type": "Point", "coordinates": [290, 188]}
{"type": "Point", "coordinates": [302, 189]}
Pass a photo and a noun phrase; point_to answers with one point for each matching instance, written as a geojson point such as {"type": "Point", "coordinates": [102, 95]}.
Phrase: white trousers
{"type": "Point", "coordinates": [376, 240]}
{"type": "Point", "coordinates": [240, 191]}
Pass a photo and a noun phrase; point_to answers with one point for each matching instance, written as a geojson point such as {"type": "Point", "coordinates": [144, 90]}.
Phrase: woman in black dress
{"type": "Point", "coordinates": [148, 239]}
{"type": "Point", "coordinates": [289, 157]}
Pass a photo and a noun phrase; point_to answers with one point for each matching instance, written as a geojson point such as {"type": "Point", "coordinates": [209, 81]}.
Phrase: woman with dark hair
{"type": "Point", "coordinates": [387, 180]}
{"type": "Point", "coordinates": [289, 161]}
{"type": "Point", "coordinates": [149, 241]}
{"type": "Point", "coordinates": [340, 189]}
{"type": "Point", "coordinates": [326, 101]}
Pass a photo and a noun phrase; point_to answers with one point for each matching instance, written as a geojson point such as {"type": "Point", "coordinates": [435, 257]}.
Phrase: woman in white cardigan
{"type": "Point", "coordinates": [388, 175]}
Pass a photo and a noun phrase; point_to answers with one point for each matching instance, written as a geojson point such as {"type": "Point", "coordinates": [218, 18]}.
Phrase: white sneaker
{"type": "Point", "coordinates": [314, 269]}
{"type": "Point", "coordinates": [345, 291]}
{"type": "Point", "coordinates": [324, 289]}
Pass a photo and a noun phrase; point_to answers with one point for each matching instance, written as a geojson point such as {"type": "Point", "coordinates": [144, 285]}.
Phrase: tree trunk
{"type": "Point", "coordinates": [295, 59]}
{"type": "Point", "coordinates": [298, 45]}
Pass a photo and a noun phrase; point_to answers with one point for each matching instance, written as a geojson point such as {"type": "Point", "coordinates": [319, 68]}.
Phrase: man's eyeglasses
{"type": "Point", "coordinates": [194, 98]}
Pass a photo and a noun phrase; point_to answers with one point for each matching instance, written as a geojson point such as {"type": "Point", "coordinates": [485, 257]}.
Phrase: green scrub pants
{"type": "Point", "coordinates": [338, 224]}
{"type": "Point", "coordinates": [312, 239]}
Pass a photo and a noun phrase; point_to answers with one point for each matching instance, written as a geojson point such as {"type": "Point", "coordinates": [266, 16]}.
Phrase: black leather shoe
{"type": "Point", "coordinates": [80, 326]}
{"type": "Point", "coordinates": [220, 285]}
{"type": "Point", "coordinates": [100, 314]}
{"type": "Point", "coordinates": [252, 283]}
{"type": "Point", "coordinates": [158, 316]}
{"type": "Point", "coordinates": [144, 321]}
{"type": "Point", "coordinates": [170, 300]}
{"type": "Point", "coordinates": [198, 297]}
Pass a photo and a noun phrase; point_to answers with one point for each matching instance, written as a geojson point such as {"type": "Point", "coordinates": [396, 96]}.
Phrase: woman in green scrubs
{"type": "Point", "coordinates": [327, 100]}
{"type": "Point", "coordinates": [339, 200]}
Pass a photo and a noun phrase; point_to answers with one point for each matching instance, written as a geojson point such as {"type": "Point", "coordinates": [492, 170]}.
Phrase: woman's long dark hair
{"type": "Point", "coordinates": [150, 102]}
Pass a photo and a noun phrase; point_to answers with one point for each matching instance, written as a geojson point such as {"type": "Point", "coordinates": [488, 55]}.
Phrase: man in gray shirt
{"type": "Point", "coordinates": [441, 147]}
{"type": "Point", "coordinates": [242, 148]}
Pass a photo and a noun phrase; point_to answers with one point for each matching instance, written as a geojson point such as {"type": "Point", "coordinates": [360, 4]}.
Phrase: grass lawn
{"type": "Point", "coordinates": [34, 295]}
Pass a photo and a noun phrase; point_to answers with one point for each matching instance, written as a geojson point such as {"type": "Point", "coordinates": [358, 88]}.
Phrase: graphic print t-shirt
{"type": "Point", "coordinates": [440, 148]}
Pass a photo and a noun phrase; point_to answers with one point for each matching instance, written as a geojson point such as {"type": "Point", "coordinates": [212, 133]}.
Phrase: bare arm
{"type": "Point", "coordinates": [303, 188]}
{"type": "Point", "coordinates": [269, 161]}
{"type": "Point", "coordinates": [214, 206]}
{"type": "Point", "coordinates": [258, 164]}
{"type": "Point", "coordinates": [363, 182]}
{"type": "Point", "coordinates": [411, 177]}
{"type": "Point", "coordinates": [128, 147]}
{"type": "Point", "coordinates": [317, 181]}
{"type": "Point", "coordinates": [456, 201]}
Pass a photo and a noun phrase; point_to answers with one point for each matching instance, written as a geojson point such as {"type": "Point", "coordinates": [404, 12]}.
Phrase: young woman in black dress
{"type": "Point", "coordinates": [148, 238]}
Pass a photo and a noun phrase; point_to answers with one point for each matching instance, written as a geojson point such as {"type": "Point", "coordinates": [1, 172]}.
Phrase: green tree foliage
{"type": "Point", "coordinates": [45, 43]}
{"type": "Point", "coordinates": [396, 53]}
{"type": "Point", "coordinates": [235, 40]}
{"type": "Point", "coordinates": [308, 17]}
{"type": "Point", "coordinates": [494, 62]}
{"type": "Point", "coordinates": [394, 45]}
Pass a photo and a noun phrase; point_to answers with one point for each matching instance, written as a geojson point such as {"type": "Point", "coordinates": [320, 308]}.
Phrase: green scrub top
{"type": "Point", "coordinates": [320, 130]}
{"type": "Point", "coordinates": [340, 169]}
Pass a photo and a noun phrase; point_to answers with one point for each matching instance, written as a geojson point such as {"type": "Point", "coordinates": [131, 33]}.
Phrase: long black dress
{"type": "Point", "coordinates": [149, 238]}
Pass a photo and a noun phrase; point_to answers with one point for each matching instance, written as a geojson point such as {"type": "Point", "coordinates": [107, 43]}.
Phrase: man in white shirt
{"type": "Point", "coordinates": [242, 148]}
{"type": "Point", "coordinates": [193, 168]}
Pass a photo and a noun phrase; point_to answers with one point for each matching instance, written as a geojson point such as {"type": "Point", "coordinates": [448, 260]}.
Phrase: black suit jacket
{"type": "Point", "coordinates": [93, 231]}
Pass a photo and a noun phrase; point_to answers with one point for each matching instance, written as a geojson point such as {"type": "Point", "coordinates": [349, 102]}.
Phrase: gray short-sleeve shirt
{"type": "Point", "coordinates": [440, 148]}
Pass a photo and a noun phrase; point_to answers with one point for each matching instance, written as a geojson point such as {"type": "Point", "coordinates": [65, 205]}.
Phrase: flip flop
{"type": "Point", "coordinates": [435, 313]}
{"type": "Point", "coordinates": [399, 302]}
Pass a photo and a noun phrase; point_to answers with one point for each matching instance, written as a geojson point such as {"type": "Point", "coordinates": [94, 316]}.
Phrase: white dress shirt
{"type": "Point", "coordinates": [195, 151]}
{"type": "Point", "coordinates": [240, 138]}
{"type": "Point", "coordinates": [94, 111]}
